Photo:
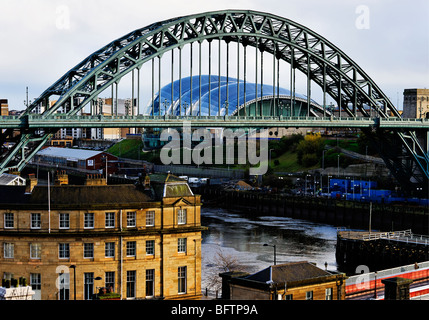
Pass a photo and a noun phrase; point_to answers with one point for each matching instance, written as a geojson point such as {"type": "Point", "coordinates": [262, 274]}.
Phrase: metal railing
{"type": "Point", "coordinates": [404, 236]}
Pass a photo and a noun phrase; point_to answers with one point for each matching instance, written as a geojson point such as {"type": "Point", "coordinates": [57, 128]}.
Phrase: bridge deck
{"type": "Point", "coordinates": [103, 121]}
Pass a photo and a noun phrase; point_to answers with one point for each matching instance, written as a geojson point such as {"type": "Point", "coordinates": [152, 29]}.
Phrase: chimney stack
{"type": "Point", "coordinates": [61, 178]}
{"type": "Point", "coordinates": [32, 182]}
{"type": "Point", "coordinates": [95, 180]}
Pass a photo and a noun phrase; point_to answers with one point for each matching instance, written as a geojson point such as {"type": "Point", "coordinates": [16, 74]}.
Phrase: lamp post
{"type": "Point", "coordinates": [74, 280]}
{"type": "Point", "coordinates": [274, 246]}
{"type": "Point", "coordinates": [97, 278]}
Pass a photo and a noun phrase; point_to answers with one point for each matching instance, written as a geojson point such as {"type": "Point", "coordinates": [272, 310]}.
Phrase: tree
{"type": "Point", "coordinates": [222, 262]}
{"type": "Point", "coordinates": [310, 149]}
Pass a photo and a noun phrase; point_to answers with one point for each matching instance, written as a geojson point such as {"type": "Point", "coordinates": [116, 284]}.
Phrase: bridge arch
{"type": "Point", "coordinates": [305, 50]}
{"type": "Point", "coordinates": [404, 151]}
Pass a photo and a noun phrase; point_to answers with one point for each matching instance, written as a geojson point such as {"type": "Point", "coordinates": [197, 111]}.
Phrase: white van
{"type": "Point", "coordinates": [193, 180]}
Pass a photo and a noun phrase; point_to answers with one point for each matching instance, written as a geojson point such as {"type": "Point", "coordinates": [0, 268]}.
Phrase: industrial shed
{"type": "Point", "coordinates": [77, 158]}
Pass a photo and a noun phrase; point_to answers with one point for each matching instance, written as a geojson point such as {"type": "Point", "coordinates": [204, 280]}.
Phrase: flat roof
{"type": "Point", "coordinates": [71, 154]}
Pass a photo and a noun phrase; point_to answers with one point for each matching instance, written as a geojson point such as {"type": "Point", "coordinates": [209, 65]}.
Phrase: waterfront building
{"type": "Point", "coordinates": [290, 281]}
{"type": "Point", "coordinates": [141, 241]}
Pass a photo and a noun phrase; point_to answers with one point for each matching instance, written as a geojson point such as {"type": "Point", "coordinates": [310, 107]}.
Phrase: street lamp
{"type": "Point", "coordinates": [74, 279]}
{"type": "Point", "coordinates": [274, 246]}
{"type": "Point", "coordinates": [96, 288]}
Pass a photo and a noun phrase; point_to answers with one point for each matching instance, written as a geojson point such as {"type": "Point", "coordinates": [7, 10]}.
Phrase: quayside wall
{"type": "Point", "coordinates": [337, 212]}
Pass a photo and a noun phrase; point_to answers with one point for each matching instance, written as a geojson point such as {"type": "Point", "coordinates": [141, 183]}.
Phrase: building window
{"type": "Point", "coordinates": [150, 218]}
{"type": "Point", "coordinates": [8, 249]}
{"type": "Point", "coordinates": [181, 272]}
{"type": "Point", "coordinates": [150, 282]}
{"type": "Point", "coordinates": [131, 249]}
{"type": "Point", "coordinates": [88, 221]}
{"type": "Point", "coordinates": [150, 247]}
{"type": "Point", "coordinates": [328, 294]}
{"type": "Point", "coordinates": [110, 280]}
{"type": "Point", "coordinates": [36, 222]}
{"type": "Point", "coordinates": [88, 250]}
{"type": "Point", "coordinates": [289, 297]}
{"type": "Point", "coordinates": [35, 250]}
{"type": "Point", "coordinates": [64, 251]}
{"type": "Point", "coordinates": [8, 220]}
{"type": "Point", "coordinates": [36, 285]}
{"type": "Point", "coordinates": [131, 219]}
{"type": "Point", "coordinates": [181, 245]}
{"type": "Point", "coordinates": [64, 286]}
{"type": "Point", "coordinates": [309, 295]}
{"type": "Point", "coordinates": [131, 284]}
{"type": "Point", "coordinates": [110, 219]}
{"type": "Point", "coordinates": [109, 249]}
{"type": "Point", "coordinates": [88, 285]}
{"type": "Point", "coordinates": [181, 216]}
{"type": "Point", "coordinates": [64, 221]}
{"type": "Point", "coordinates": [35, 281]}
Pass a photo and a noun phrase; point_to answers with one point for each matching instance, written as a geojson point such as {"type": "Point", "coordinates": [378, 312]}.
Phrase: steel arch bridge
{"type": "Point", "coordinates": [404, 147]}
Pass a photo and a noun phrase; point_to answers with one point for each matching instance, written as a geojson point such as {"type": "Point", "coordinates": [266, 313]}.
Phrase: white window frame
{"type": "Point", "coordinates": [108, 248]}
{"type": "Point", "coordinates": [309, 295]}
{"type": "Point", "coordinates": [181, 216]}
{"type": "Point", "coordinates": [9, 219]}
{"type": "Point", "coordinates": [150, 218]}
{"type": "Point", "coordinates": [150, 282]}
{"type": "Point", "coordinates": [182, 245]}
{"type": "Point", "coordinates": [150, 247]}
{"type": "Point", "coordinates": [63, 248]}
{"type": "Point", "coordinates": [329, 294]}
{"type": "Point", "coordinates": [36, 221]}
{"type": "Point", "coordinates": [131, 251]}
{"type": "Point", "coordinates": [110, 220]}
{"type": "Point", "coordinates": [109, 280]}
{"type": "Point", "coordinates": [182, 279]}
{"type": "Point", "coordinates": [35, 251]}
{"type": "Point", "coordinates": [88, 222]}
{"type": "Point", "coordinates": [131, 219]}
{"type": "Point", "coordinates": [131, 284]}
{"type": "Point", "coordinates": [88, 250]}
{"type": "Point", "coordinates": [64, 221]}
{"type": "Point", "coordinates": [8, 250]}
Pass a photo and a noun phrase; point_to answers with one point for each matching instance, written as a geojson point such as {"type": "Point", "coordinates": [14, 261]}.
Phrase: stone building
{"type": "Point", "coordinates": [416, 103]}
{"type": "Point", "coordinates": [141, 241]}
{"type": "Point", "coordinates": [289, 281]}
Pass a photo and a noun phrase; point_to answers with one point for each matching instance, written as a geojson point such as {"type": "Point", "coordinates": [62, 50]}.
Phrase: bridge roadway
{"type": "Point", "coordinates": [103, 121]}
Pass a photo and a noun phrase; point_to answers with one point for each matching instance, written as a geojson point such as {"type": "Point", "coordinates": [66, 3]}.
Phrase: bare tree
{"type": "Point", "coordinates": [222, 262]}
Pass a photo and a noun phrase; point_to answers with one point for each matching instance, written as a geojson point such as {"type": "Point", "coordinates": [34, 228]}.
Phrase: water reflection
{"type": "Point", "coordinates": [242, 236]}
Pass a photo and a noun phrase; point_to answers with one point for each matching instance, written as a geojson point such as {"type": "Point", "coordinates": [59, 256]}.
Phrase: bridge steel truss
{"type": "Point", "coordinates": [318, 59]}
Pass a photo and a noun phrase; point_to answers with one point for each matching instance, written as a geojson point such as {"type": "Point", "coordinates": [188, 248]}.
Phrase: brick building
{"type": "Point", "coordinates": [289, 281]}
{"type": "Point", "coordinates": [77, 158]}
{"type": "Point", "coordinates": [141, 241]}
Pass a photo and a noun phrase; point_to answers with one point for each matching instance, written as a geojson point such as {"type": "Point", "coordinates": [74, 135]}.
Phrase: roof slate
{"type": "Point", "coordinates": [289, 272]}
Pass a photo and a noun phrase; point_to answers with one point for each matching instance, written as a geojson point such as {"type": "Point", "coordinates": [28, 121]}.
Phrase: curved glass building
{"type": "Point", "coordinates": [200, 97]}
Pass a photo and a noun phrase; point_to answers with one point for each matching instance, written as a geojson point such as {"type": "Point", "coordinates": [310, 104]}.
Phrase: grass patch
{"type": "Point", "coordinates": [288, 162]}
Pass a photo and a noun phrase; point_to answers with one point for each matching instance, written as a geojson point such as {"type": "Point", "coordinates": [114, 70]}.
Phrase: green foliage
{"type": "Point", "coordinates": [310, 149]}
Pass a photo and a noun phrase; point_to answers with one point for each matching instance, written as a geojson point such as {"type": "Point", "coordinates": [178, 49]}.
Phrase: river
{"type": "Point", "coordinates": [241, 236]}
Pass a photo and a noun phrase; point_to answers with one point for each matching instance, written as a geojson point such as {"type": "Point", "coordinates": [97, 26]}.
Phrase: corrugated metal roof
{"type": "Point", "coordinates": [11, 179]}
{"type": "Point", "coordinates": [70, 154]}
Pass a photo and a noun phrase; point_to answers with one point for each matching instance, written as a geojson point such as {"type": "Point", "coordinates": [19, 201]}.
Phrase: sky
{"type": "Point", "coordinates": [43, 39]}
